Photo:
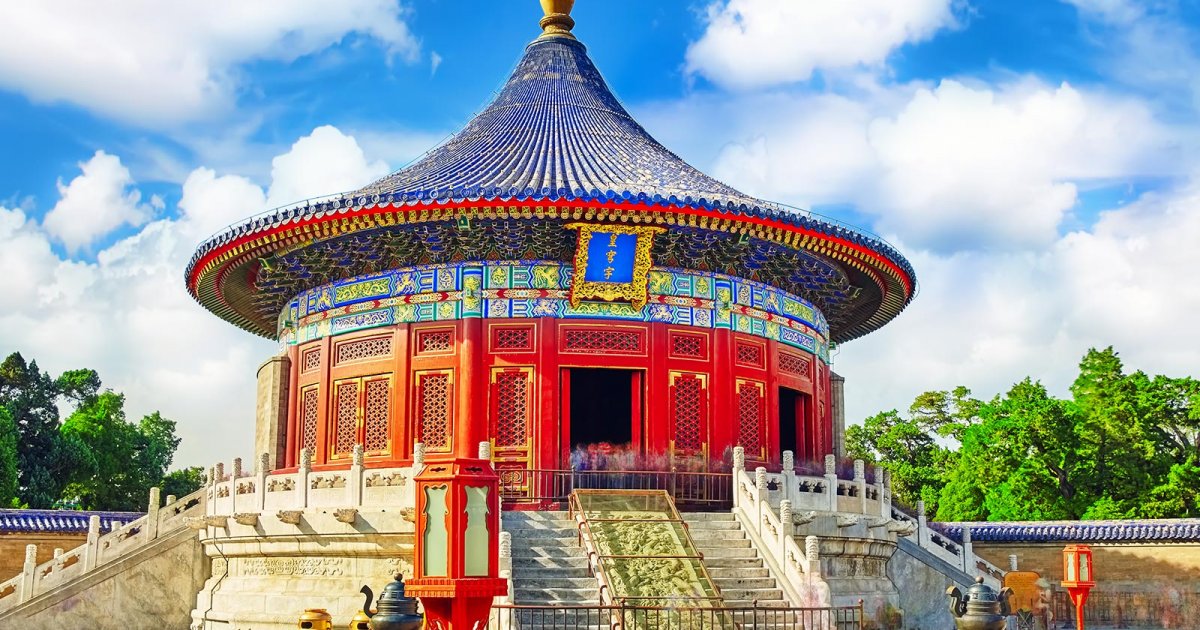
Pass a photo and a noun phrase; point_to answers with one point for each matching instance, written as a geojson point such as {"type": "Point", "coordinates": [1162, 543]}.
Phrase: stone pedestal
{"type": "Point", "coordinates": [270, 427]}
{"type": "Point", "coordinates": [854, 557]}
{"type": "Point", "coordinates": [265, 574]}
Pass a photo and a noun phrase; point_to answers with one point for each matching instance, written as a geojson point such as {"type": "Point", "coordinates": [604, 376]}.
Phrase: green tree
{"type": "Point", "coordinates": [8, 459]}
{"type": "Point", "coordinates": [183, 482]}
{"type": "Point", "coordinates": [44, 459]}
{"type": "Point", "coordinates": [122, 460]}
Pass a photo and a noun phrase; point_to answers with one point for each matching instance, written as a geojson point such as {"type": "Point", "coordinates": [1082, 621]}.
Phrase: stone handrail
{"type": "Point", "coordinates": [832, 494]}
{"type": "Point", "coordinates": [798, 567]}
{"type": "Point", "coordinates": [98, 551]}
{"type": "Point", "coordinates": [244, 495]}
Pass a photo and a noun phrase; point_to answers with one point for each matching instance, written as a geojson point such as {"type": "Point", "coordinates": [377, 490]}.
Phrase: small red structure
{"type": "Point", "coordinates": [457, 547]}
{"type": "Point", "coordinates": [1078, 577]}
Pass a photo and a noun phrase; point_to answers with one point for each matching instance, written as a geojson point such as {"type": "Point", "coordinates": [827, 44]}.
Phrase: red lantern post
{"type": "Point", "coordinates": [458, 542]}
{"type": "Point", "coordinates": [1078, 577]}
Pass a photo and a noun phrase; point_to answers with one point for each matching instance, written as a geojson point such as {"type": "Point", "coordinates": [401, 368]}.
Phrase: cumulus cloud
{"type": "Point", "coordinates": [128, 315]}
{"type": "Point", "coordinates": [322, 163]}
{"type": "Point", "coordinates": [755, 43]}
{"type": "Point", "coordinates": [96, 202]}
{"type": "Point", "coordinates": [989, 319]}
{"type": "Point", "coordinates": [154, 63]}
{"type": "Point", "coordinates": [952, 166]}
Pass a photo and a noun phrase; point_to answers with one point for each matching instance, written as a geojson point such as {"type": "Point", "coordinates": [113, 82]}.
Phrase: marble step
{"type": "Point", "coordinates": [744, 562]}
{"type": "Point", "coordinates": [569, 595]}
{"type": "Point", "coordinates": [729, 552]}
{"type": "Point", "coordinates": [705, 536]}
{"type": "Point", "coordinates": [536, 563]}
{"type": "Point", "coordinates": [548, 551]}
{"type": "Point", "coordinates": [741, 582]}
{"type": "Point", "coordinates": [750, 570]}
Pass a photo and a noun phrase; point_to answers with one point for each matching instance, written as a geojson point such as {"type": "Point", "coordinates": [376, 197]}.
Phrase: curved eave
{"type": "Point", "coordinates": [238, 250]}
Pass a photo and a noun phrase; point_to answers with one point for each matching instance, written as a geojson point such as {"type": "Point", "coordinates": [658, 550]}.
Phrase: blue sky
{"type": "Point", "coordinates": [1035, 160]}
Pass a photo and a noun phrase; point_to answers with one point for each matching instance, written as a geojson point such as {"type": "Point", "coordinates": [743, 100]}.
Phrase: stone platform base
{"type": "Point", "coordinates": [266, 573]}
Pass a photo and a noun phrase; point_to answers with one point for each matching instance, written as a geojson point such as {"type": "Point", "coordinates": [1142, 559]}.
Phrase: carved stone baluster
{"type": "Point", "coordinates": [354, 484]}
{"type": "Point", "coordinates": [831, 482]}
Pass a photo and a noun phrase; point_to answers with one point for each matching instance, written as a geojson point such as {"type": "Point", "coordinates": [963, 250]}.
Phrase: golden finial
{"type": "Point", "coordinates": [557, 22]}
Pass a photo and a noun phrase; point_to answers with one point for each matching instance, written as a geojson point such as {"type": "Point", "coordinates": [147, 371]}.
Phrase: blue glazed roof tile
{"type": "Point", "coordinates": [60, 521]}
{"type": "Point", "coordinates": [1168, 530]}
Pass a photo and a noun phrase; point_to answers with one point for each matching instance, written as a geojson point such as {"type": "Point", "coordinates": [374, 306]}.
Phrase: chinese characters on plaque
{"type": "Point", "coordinates": [612, 263]}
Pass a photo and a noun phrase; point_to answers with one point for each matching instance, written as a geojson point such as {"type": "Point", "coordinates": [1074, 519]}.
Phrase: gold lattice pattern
{"type": "Point", "coordinates": [690, 346]}
{"type": "Point", "coordinates": [750, 354]}
{"type": "Point", "coordinates": [793, 364]}
{"type": "Point", "coordinates": [345, 417]}
{"type": "Point", "coordinates": [376, 414]}
{"type": "Point", "coordinates": [750, 417]}
{"type": "Point", "coordinates": [363, 349]}
{"type": "Point", "coordinates": [603, 341]}
{"type": "Point", "coordinates": [435, 412]}
{"type": "Point", "coordinates": [512, 408]}
{"type": "Point", "coordinates": [308, 419]}
{"type": "Point", "coordinates": [311, 360]}
{"type": "Point", "coordinates": [436, 341]}
{"type": "Point", "coordinates": [688, 399]}
{"type": "Point", "coordinates": [514, 339]}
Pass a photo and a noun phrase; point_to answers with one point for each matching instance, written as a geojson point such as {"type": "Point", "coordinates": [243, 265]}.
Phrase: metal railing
{"type": "Point", "coordinates": [704, 580]}
{"type": "Point", "coordinates": [623, 616]}
{"type": "Point", "coordinates": [1130, 610]}
{"type": "Point", "coordinates": [689, 490]}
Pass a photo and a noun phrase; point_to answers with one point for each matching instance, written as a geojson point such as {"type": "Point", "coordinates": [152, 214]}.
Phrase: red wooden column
{"type": "Point", "coordinates": [471, 418]}
{"type": "Point", "coordinates": [293, 398]}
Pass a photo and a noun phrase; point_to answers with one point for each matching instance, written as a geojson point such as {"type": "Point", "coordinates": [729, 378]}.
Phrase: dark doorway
{"type": "Point", "coordinates": [601, 406]}
{"type": "Point", "coordinates": [789, 406]}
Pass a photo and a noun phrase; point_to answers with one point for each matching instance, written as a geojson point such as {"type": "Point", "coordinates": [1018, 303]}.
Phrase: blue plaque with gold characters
{"type": "Point", "coordinates": [612, 262]}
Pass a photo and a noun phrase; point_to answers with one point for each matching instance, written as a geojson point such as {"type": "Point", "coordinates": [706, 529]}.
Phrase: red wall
{"type": "Point", "coordinates": [401, 382]}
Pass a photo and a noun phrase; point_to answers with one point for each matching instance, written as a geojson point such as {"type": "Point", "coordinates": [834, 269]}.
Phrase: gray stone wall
{"type": "Point", "coordinates": [922, 589]}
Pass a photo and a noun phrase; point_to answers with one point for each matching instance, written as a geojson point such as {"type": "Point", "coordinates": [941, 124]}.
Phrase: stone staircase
{"type": "Point", "coordinates": [549, 566]}
{"type": "Point", "coordinates": [732, 561]}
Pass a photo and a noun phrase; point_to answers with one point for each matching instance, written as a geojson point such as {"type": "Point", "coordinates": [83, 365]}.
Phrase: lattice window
{"type": "Point", "coordinates": [345, 417]}
{"type": "Point", "coordinates": [363, 349]}
{"type": "Point", "coordinates": [793, 364]}
{"type": "Point", "coordinates": [310, 360]}
{"type": "Point", "coordinates": [749, 354]}
{"type": "Point", "coordinates": [603, 341]}
{"type": "Point", "coordinates": [435, 341]}
{"type": "Point", "coordinates": [750, 416]}
{"type": "Point", "coordinates": [434, 411]}
{"type": "Point", "coordinates": [308, 419]}
{"type": "Point", "coordinates": [512, 408]}
{"type": "Point", "coordinates": [513, 339]}
{"type": "Point", "coordinates": [687, 346]}
{"type": "Point", "coordinates": [687, 398]}
{"type": "Point", "coordinates": [377, 407]}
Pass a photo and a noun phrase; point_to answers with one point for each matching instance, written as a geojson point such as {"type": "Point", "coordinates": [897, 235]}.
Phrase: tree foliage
{"type": "Point", "coordinates": [1122, 446]}
{"type": "Point", "coordinates": [95, 458]}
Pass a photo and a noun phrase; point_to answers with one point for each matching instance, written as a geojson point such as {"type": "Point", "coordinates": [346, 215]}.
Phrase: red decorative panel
{"type": "Point", "coordinates": [512, 338]}
{"type": "Point", "coordinates": [603, 341]}
{"type": "Point", "coordinates": [434, 411]}
{"type": "Point", "coordinates": [793, 364]}
{"type": "Point", "coordinates": [377, 408]}
{"type": "Point", "coordinates": [750, 417]}
{"type": "Point", "coordinates": [308, 419]}
{"type": "Point", "coordinates": [310, 360]}
{"type": "Point", "coordinates": [363, 349]}
{"type": "Point", "coordinates": [750, 354]}
{"type": "Point", "coordinates": [688, 346]}
{"type": "Point", "coordinates": [345, 417]}
{"type": "Point", "coordinates": [435, 341]}
{"type": "Point", "coordinates": [687, 411]}
{"type": "Point", "coordinates": [512, 408]}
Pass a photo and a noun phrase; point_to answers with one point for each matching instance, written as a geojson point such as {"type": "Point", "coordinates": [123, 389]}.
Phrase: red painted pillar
{"type": "Point", "coordinates": [472, 417]}
{"type": "Point", "coordinates": [293, 396]}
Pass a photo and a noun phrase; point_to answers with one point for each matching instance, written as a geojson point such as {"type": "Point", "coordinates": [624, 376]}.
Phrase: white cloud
{"type": "Point", "coordinates": [754, 43]}
{"type": "Point", "coordinates": [154, 63]}
{"type": "Point", "coordinates": [989, 319]}
{"type": "Point", "coordinates": [128, 315]}
{"type": "Point", "coordinates": [322, 163]}
{"type": "Point", "coordinates": [435, 60]}
{"type": "Point", "coordinates": [1001, 168]}
{"type": "Point", "coordinates": [96, 202]}
{"type": "Point", "coordinates": [950, 167]}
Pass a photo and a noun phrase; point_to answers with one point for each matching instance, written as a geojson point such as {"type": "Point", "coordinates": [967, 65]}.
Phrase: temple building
{"type": "Point", "coordinates": [549, 277]}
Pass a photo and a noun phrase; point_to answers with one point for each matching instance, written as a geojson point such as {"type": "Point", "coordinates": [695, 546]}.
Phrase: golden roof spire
{"type": "Point", "coordinates": [557, 22]}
